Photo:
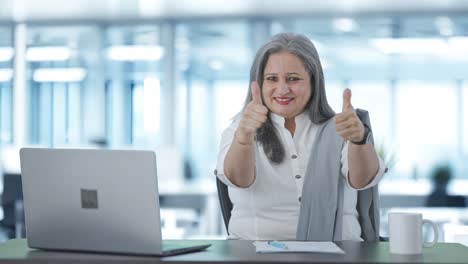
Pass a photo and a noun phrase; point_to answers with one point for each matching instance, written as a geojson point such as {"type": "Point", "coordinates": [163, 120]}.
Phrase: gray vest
{"type": "Point", "coordinates": [321, 213]}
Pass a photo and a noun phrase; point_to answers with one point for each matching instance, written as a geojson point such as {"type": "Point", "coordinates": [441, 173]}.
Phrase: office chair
{"type": "Point", "coordinates": [12, 204]}
{"type": "Point", "coordinates": [226, 205]}
{"type": "Point", "coordinates": [224, 202]}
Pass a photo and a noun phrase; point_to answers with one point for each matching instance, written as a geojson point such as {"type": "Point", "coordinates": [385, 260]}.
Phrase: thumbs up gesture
{"type": "Point", "coordinates": [253, 117]}
{"type": "Point", "coordinates": [347, 123]}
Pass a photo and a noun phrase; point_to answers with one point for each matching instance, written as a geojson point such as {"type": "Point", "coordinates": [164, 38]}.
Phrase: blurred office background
{"type": "Point", "coordinates": [169, 76]}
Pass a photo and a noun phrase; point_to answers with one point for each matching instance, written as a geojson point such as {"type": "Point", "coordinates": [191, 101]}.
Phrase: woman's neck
{"type": "Point", "coordinates": [290, 125]}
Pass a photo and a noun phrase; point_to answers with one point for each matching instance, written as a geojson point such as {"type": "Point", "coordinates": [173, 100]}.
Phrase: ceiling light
{"type": "Point", "coordinates": [48, 53]}
{"type": "Point", "coordinates": [59, 75]}
{"type": "Point", "coordinates": [135, 53]}
{"type": "Point", "coordinates": [6, 53]}
{"type": "Point", "coordinates": [6, 75]}
{"type": "Point", "coordinates": [410, 45]}
{"type": "Point", "coordinates": [345, 25]}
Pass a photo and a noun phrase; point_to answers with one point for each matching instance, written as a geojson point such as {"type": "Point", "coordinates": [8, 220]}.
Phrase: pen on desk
{"type": "Point", "coordinates": [277, 244]}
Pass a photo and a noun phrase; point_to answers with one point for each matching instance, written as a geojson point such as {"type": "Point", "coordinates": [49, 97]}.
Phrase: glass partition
{"type": "Point", "coordinates": [61, 72]}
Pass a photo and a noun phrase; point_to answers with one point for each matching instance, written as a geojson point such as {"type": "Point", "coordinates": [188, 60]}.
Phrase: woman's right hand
{"type": "Point", "coordinates": [253, 117]}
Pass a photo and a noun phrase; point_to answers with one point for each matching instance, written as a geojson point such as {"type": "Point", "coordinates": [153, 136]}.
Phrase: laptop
{"type": "Point", "coordinates": [95, 200]}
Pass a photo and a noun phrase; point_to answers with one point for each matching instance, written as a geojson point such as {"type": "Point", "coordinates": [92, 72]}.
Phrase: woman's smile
{"type": "Point", "coordinates": [283, 100]}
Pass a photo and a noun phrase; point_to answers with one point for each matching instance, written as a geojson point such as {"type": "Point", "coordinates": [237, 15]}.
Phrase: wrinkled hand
{"type": "Point", "coordinates": [253, 117]}
{"type": "Point", "coordinates": [347, 123]}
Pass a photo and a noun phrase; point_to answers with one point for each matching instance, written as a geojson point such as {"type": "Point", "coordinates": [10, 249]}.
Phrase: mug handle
{"type": "Point", "coordinates": [436, 233]}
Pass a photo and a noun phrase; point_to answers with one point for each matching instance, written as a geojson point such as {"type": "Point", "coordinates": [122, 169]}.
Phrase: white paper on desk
{"type": "Point", "coordinates": [299, 246]}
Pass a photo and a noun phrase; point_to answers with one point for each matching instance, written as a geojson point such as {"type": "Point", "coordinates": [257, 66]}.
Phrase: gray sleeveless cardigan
{"type": "Point", "coordinates": [321, 213]}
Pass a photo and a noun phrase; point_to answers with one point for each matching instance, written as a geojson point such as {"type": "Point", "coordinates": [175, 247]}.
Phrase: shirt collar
{"type": "Point", "coordinates": [300, 119]}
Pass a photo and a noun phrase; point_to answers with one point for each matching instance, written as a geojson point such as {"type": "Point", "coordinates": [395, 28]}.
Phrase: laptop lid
{"type": "Point", "coordinates": [91, 200]}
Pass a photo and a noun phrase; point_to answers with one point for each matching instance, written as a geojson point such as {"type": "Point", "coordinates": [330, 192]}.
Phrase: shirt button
{"type": "Point", "coordinates": [298, 176]}
{"type": "Point", "coordinates": [216, 172]}
{"type": "Point", "coordinates": [300, 199]}
{"type": "Point", "coordinates": [294, 156]}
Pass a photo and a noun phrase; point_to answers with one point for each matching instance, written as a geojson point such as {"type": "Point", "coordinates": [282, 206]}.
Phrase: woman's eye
{"type": "Point", "coordinates": [271, 78]}
{"type": "Point", "coordinates": [291, 79]}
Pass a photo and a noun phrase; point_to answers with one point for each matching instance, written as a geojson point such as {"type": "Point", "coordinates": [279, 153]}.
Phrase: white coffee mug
{"type": "Point", "coordinates": [405, 231]}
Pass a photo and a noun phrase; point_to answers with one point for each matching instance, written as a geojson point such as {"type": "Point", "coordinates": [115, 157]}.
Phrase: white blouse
{"type": "Point", "coordinates": [269, 208]}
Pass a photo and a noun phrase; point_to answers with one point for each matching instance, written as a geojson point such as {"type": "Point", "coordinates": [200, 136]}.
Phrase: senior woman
{"type": "Point", "coordinates": [294, 168]}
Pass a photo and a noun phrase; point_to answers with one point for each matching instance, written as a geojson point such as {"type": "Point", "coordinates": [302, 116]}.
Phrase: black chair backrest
{"type": "Point", "coordinates": [12, 192]}
{"type": "Point", "coordinates": [224, 201]}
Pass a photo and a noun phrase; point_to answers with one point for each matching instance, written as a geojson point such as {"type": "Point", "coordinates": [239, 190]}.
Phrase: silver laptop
{"type": "Point", "coordinates": [94, 200]}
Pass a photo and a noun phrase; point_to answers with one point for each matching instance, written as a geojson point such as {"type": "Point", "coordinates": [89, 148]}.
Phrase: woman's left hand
{"type": "Point", "coordinates": [347, 123]}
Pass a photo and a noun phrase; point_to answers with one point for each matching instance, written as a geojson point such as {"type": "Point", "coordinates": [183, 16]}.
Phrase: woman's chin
{"type": "Point", "coordinates": [284, 114]}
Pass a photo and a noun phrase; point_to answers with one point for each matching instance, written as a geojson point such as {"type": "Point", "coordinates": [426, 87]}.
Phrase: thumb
{"type": "Point", "coordinates": [347, 100]}
{"type": "Point", "coordinates": [256, 96]}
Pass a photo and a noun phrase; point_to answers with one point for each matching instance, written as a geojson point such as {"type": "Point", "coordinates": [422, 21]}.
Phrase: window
{"type": "Point", "coordinates": [334, 91]}
{"type": "Point", "coordinates": [61, 69]}
{"type": "Point", "coordinates": [6, 84]}
{"type": "Point", "coordinates": [146, 112]}
{"type": "Point", "coordinates": [229, 101]}
{"type": "Point", "coordinates": [6, 98]}
{"type": "Point", "coordinates": [375, 98]}
{"type": "Point", "coordinates": [212, 69]}
{"type": "Point", "coordinates": [421, 122]}
{"type": "Point", "coordinates": [134, 54]}
{"type": "Point", "coordinates": [426, 126]}
{"type": "Point", "coordinates": [465, 120]}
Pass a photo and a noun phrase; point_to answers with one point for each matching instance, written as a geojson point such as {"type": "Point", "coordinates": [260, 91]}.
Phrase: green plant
{"type": "Point", "coordinates": [441, 174]}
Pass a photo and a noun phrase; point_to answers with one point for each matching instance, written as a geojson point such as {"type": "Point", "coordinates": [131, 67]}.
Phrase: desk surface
{"type": "Point", "coordinates": [235, 251]}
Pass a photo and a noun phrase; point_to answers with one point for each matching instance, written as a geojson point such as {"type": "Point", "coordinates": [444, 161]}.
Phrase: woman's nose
{"type": "Point", "coordinates": [283, 87]}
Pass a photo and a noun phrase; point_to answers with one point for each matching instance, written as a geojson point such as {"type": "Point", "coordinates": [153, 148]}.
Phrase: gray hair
{"type": "Point", "coordinates": [317, 108]}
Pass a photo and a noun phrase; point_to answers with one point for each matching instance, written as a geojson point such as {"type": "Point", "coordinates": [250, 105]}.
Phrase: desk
{"type": "Point", "coordinates": [236, 251]}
